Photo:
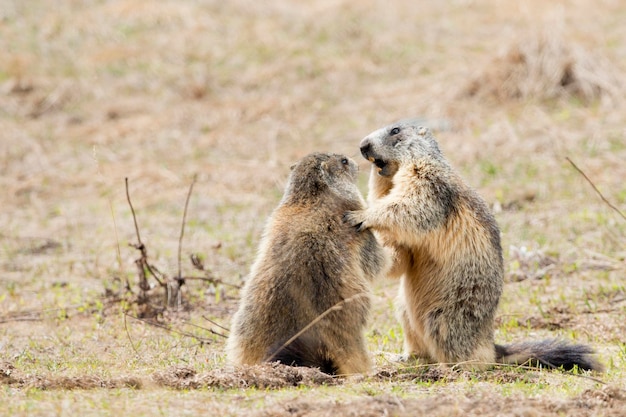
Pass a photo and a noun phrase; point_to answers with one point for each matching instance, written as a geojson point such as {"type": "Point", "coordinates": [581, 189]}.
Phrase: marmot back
{"type": "Point", "coordinates": [309, 261]}
{"type": "Point", "coordinates": [446, 247]}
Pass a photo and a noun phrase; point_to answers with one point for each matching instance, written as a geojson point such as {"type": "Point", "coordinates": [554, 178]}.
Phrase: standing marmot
{"type": "Point", "coordinates": [446, 246]}
{"type": "Point", "coordinates": [310, 261]}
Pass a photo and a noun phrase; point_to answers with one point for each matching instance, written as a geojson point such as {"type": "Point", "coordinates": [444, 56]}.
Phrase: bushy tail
{"type": "Point", "coordinates": [549, 353]}
{"type": "Point", "coordinates": [303, 351]}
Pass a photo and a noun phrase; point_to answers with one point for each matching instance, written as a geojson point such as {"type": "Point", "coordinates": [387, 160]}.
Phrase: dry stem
{"type": "Point", "coordinates": [618, 211]}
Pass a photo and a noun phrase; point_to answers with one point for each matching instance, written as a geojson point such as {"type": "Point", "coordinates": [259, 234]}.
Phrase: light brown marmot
{"type": "Point", "coordinates": [312, 272]}
{"type": "Point", "coordinates": [446, 246]}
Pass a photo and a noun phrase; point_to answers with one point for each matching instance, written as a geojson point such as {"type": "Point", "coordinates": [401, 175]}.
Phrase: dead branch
{"type": "Point", "coordinates": [205, 329]}
{"type": "Point", "coordinates": [130, 339]}
{"type": "Point", "coordinates": [132, 209]}
{"type": "Point", "coordinates": [216, 324]}
{"type": "Point", "coordinates": [142, 263]}
{"type": "Point", "coordinates": [25, 317]}
{"type": "Point", "coordinates": [174, 295]}
{"type": "Point", "coordinates": [40, 314]}
{"type": "Point", "coordinates": [214, 281]}
{"type": "Point", "coordinates": [618, 211]}
{"type": "Point", "coordinates": [182, 228]}
{"type": "Point", "coordinates": [197, 263]}
{"type": "Point", "coordinates": [169, 329]}
{"type": "Point", "coordinates": [171, 285]}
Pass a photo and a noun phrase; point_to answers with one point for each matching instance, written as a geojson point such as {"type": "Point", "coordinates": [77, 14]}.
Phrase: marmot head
{"type": "Point", "coordinates": [393, 145]}
{"type": "Point", "coordinates": [320, 173]}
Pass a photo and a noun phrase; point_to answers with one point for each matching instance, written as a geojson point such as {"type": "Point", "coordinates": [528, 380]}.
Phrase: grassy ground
{"type": "Point", "coordinates": [234, 92]}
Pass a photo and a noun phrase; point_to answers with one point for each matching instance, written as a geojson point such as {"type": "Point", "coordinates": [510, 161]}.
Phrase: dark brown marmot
{"type": "Point", "coordinates": [306, 301]}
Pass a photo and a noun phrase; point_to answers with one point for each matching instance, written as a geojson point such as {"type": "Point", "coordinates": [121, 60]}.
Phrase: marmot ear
{"type": "Point", "coordinates": [324, 170]}
{"type": "Point", "coordinates": [292, 167]}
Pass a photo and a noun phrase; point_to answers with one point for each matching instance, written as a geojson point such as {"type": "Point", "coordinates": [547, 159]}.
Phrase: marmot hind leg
{"type": "Point", "coordinates": [453, 342]}
{"type": "Point", "coordinates": [343, 356]}
{"type": "Point", "coordinates": [353, 361]}
{"type": "Point", "coordinates": [304, 351]}
{"type": "Point", "coordinates": [414, 347]}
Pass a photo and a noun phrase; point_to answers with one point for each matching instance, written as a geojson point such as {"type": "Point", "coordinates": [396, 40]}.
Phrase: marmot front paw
{"type": "Point", "coordinates": [355, 219]}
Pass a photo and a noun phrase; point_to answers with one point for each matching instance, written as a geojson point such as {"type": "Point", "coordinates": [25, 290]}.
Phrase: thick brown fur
{"type": "Point", "coordinates": [312, 269]}
{"type": "Point", "coordinates": [446, 247]}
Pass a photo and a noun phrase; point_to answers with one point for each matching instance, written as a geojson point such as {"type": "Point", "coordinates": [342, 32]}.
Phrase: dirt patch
{"type": "Point", "coordinates": [609, 401]}
{"type": "Point", "coordinates": [416, 374]}
{"type": "Point", "coordinates": [10, 375]}
{"type": "Point", "coordinates": [264, 376]}
{"type": "Point", "coordinates": [364, 407]}
{"type": "Point", "coordinates": [82, 382]}
{"type": "Point", "coordinates": [431, 400]}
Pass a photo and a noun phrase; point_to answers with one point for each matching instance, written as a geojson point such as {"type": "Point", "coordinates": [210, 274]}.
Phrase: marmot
{"type": "Point", "coordinates": [446, 246]}
{"type": "Point", "coordinates": [311, 276]}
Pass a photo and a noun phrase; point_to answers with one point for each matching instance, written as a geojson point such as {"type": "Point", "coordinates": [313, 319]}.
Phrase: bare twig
{"type": "Point", "coordinates": [38, 314]}
{"type": "Point", "coordinates": [182, 227]}
{"type": "Point", "coordinates": [19, 318]}
{"type": "Point", "coordinates": [216, 324]}
{"type": "Point", "coordinates": [143, 261]}
{"type": "Point", "coordinates": [169, 329]}
{"type": "Point", "coordinates": [197, 263]}
{"type": "Point", "coordinates": [179, 278]}
{"type": "Point", "coordinates": [132, 209]}
{"type": "Point", "coordinates": [172, 285]}
{"type": "Point", "coordinates": [212, 280]}
{"type": "Point", "coordinates": [335, 307]}
{"type": "Point", "coordinates": [618, 211]}
{"type": "Point", "coordinates": [130, 339]}
{"type": "Point", "coordinates": [204, 328]}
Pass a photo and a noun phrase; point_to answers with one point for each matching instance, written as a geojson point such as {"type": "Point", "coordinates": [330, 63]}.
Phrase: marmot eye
{"type": "Point", "coordinates": [344, 161]}
{"type": "Point", "coordinates": [394, 131]}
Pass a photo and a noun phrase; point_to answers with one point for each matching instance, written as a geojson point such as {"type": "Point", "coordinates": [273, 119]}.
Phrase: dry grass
{"type": "Point", "coordinates": [546, 66]}
{"type": "Point", "coordinates": [234, 92]}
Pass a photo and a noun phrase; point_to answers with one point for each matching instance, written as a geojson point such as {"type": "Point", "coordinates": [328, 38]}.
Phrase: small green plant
{"type": "Point", "coordinates": [622, 351]}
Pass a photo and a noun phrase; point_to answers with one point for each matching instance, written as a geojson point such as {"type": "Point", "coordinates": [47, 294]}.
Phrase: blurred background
{"type": "Point", "coordinates": [92, 92]}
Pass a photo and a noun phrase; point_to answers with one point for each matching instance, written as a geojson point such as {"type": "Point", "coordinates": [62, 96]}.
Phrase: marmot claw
{"type": "Point", "coordinates": [353, 218]}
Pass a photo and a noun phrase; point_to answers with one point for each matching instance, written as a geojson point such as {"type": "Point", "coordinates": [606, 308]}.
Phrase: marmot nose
{"type": "Point", "coordinates": [365, 149]}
